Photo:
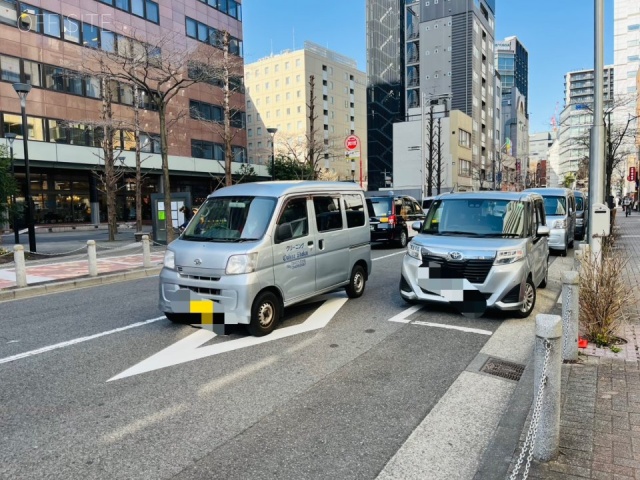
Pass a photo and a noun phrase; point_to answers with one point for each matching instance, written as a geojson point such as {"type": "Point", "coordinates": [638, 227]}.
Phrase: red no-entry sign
{"type": "Point", "coordinates": [351, 143]}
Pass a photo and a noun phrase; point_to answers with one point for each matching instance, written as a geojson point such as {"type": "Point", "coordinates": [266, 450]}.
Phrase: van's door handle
{"type": "Point", "coordinates": [321, 244]}
{"type": "Point", "coordinates": [310, 243]}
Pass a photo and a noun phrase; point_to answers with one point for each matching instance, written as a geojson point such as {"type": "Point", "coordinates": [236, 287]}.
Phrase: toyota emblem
{"type": "Point", "coordinates": [454, 255]}
{"type": "Point", "coordinates": [197, 261]}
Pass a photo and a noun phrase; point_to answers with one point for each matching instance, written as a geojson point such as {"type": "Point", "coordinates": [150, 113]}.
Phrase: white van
{"type": "Point", "coordinates": [256, 248]}
{"type": "Point", "coordinates": [560, 207]}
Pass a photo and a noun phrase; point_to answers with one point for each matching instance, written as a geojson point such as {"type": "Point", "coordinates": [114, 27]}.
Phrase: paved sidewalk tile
{"type": "Point", "coordinates": [600, 419]}
{"type": "Point", "coordinates": [74, 269]}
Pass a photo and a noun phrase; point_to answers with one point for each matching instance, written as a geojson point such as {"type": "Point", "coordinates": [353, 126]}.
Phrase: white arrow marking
{"type": "Point", "coordinates": [188, 349]}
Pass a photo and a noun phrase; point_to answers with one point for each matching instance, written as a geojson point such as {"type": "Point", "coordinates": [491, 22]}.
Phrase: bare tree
{"type": "Point", "coordinates": [431, 149]}
{"type": "Point", "coordinates": [161, 68]}
{"type": "Point", "coordinates": [438, 180]}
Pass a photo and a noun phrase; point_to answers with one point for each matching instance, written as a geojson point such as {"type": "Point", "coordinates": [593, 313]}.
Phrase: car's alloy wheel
{"type": "Point", "coordinates": [529, 300]}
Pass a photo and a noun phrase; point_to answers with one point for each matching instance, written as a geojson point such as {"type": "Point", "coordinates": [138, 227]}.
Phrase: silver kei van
{"type": "Point", "coordinates": [479, 250]}
{"type": "Point", "coordinates": [560, 207]}
{"type": "Point", "coordinates": [256, 248]}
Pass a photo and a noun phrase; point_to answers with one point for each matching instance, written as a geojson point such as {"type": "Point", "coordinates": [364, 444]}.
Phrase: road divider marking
{"type": "Point", "coordinates": [77, 340]}
{"type": "Point", "coordinates": [387, 256]}
{"type": "Point", "coordinates": [190, 348]}
{"type": "Point", "coordinates": [402, 316]}
{"type": "Point", "coordinates": [453, 327]}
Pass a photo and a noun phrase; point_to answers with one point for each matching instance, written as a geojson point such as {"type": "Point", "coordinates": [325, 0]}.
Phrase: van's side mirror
{"type": "Point", "coordinates": [284, 232]}
{"type": "Point", "coordinates": [543, 231]}
{"type": "Point", "coordinates": [417, 226]}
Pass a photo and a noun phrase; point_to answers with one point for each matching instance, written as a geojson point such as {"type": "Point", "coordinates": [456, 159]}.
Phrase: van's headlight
{"type": "Point", "coordinates": [170, 260]}
{"type": "Point", "coordinates": [245, 263]}
{"type": "Point", "coordinates": [505, 257]}
{"type": "Point", "coordinates": [560, 224]}
{"type": "Point", "coordinates": [413, 250]}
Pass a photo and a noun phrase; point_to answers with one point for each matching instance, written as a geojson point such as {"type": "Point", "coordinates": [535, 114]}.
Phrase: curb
{"type": "Point", "coordinates": [66, 285]}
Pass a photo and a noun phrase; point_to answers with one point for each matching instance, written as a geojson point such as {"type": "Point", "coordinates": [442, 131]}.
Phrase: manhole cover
{"type": "Point", "coordinates": [503, 369]}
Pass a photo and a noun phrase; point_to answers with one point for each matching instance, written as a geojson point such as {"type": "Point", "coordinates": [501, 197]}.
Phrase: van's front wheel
{"type": "Point", "coordinates": [357, 282]}
{"type": "Point", "coordinates": [265, 314]}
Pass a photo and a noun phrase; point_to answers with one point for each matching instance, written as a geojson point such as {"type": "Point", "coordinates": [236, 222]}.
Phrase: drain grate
{"type": "Point", "coordinates": [503, 369]}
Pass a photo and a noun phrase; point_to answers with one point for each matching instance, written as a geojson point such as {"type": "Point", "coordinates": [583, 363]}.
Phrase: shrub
{"type": "Point", "coordinates": [603, 294]}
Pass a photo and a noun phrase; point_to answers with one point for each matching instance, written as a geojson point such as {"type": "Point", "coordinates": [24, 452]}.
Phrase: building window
{"type": "Point", "coordinates": [71, 30]}
{"type": "Point", "coordinates": [211, 36]}
{"type": "Point", "coordinates": [51, 24]}
{"type": "Point", "coordinates": [13, 124]}
{"type": "Point", "coordinates": [9, 69]}
{"type": "Point", "coordinates": [464, 168]}
{"type": "Point", "coordinates": [464, 138]}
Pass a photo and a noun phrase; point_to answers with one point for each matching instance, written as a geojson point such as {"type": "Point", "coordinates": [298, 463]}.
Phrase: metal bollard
{"type": "Point", "coordinates": [570, 313]}
{"type": "Point", "coordinates": [93, 260]}
{"type": "Point", "coordinates": [21, 268]}
{"type": "Point", "coordinates": [547, 375]}
{"type": "Point", "coordinates": [146, 252]}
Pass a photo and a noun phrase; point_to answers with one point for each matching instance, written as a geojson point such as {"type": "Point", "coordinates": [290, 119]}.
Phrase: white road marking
{"type": "Point", "coordinates": [136, 426]}
{"type": "Point", "coordinates": [189, 348]}
{"type": "Point", "coordinates": [453, 327]}
{"type": "Point", "coordinates": [77, 340]}
{"type": "Point", "coordinates": [387, 256]}
{"type": "Point", "coordinates": [402, 316]}
{"type": "Point", "coordinates": [236, 375]}
{"type": "Point", "coordinates": [11, 276]}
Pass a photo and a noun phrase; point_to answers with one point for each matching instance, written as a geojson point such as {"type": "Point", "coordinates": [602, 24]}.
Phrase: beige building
{"type": "Point", "coordinates": [278, 96]}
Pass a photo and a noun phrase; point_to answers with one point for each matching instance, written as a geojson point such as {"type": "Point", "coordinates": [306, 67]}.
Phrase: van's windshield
{"type": "Point", "coordinates": [231, 219]}
{"type": "Point", "coordinates": [477, 218]}
{"type": "Point", "coordinates": [555, 205]}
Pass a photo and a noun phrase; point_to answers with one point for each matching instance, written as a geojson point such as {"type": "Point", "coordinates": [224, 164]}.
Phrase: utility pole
{"type": "Point", "coordinates": [596, 163]}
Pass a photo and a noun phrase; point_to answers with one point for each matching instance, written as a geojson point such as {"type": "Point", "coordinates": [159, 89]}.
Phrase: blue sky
{"type": "Point", "coordinates": [557, 33]}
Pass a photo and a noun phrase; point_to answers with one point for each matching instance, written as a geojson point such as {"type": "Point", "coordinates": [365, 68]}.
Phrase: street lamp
{"type": "Point", "coordinates": [10, 137]}
{"type": "Point", "coordinates": [272, 131]}
{"type": "Point", "coordinates": [23, 89]}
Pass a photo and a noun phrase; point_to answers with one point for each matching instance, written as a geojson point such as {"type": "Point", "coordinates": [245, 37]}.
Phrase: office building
{"type": "Point", "coordinates": [445, 62]}
{"type": "Point", "coordinates": [278, 95]}
{"type": "Point", "coordinates": [539, 146]}
{"type": "Point", "coordinates": [576, 120]}
{"type": "Point", "coordinates": [626, 52]}
{"type": "Point", "coordinates": [50, 48]}
{"type": "Point", "coordinates": [512, 63]}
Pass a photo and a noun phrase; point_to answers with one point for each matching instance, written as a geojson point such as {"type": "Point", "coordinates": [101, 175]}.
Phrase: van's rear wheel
{"type": "Point", "coordinates": [357, 281]}
{"type": "Point", "coordinates": [265, 314]}
{"type": "Point", "coordinates": [403, 240]}
{"type": "Point", "coordinates": [529, 300]}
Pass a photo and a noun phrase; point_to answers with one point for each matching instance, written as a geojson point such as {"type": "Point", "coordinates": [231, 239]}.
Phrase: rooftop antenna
{"type": "Point", "coordinates": [272, 47]}
{"type": "Point", "coordinates": [293, 33]}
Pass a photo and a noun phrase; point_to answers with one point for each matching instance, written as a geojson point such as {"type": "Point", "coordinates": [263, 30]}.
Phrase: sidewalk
{"type": "Point", "coordinates": [600, 419]}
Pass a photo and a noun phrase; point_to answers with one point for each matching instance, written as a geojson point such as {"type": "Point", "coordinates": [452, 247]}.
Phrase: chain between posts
{"type": "Point", "coordinates": [535, 418]}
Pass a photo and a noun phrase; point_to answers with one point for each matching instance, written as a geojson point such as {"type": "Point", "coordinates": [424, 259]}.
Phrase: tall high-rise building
{"type": "Point", "coordinates": [278, 94]}
{"type": "Point", "coordinates": [512, 63]}
{"type": "Point", "coordinates": [51, 46]}
{"type": "Point", "coordinates": [576, 119]}
{"type": "Point", "coordinates": [626, 52]}
{"type": "Point", "coordinates": [385, 84]}
{"type": "Point", "coordinates": [434, 53]}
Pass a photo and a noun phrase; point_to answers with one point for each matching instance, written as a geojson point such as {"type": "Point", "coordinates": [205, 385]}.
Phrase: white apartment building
{"type": "Point", "coordinates": [278, 95]}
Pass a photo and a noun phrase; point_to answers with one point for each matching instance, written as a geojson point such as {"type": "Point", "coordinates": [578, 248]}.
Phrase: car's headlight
{"type": "Point", "coordinates": [170, 260]}
{"type": "Point", "coordinates": [560, 224]}
{"type": "Point", "coordinates": [245, 263]}
{"type": "Point", "coordinates": [413, 250]}
{"type": "Point", "coordinates": [505, 257]}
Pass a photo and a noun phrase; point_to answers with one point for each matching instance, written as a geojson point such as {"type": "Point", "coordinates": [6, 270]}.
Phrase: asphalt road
{"type": "Point", "coordinates": [336, 402]}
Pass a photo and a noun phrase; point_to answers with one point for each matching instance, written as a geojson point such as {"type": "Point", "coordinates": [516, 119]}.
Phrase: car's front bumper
{"type": "Point", "coordinates": [558, 238]}
{"type": "Point", "coordinates": [503, 288]}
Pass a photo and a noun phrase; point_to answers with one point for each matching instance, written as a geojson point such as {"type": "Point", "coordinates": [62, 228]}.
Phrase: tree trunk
{"type": "Point", "coordinates": [136, 119]}
{"type": "Point", "coordinates": [439, 157]}
{"type": "Point", "coordinates": [430, 150]}
{"type": "Point", "coordinates": [110, 176]}
{"type": "Point", "coordinates": [166, 184]}
{"type": "Point", "coordinates": [228, 150]}
{"type": "Point", "coordinates": [312, 133]}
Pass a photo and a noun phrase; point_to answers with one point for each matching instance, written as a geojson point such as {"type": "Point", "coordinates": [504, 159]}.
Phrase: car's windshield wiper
{"type": "Point", "coordinates": [458, 232]}
{"type": "Point", "coordinates": [505, 234]}
{"type": "Point", "coordinates": [243, 239]}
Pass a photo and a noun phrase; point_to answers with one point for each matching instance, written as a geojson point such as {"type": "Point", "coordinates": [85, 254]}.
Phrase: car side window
{"type": "Point", "coordinates": [354, 209]}
{"type": "Point", "coordinates": [295, 213]}
{"type": "Point", "coordinates": [328, 213]}
{"type": "Point", "coordinates": [417, 209]}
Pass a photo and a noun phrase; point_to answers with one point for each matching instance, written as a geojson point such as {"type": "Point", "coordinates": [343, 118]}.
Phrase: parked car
{"type": "Point", "coordinates": [391, 218]}
{"type": "Point", "coordinates": [479, 250]}
{"type": "Point", "coordinates": [582, 215]}
{"type": "Point", "coordinates": [256, 248]}
{"type": "Point", "coordinates": [426, 203]}
{"type": "Point", "coordinates": [560, 207]}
